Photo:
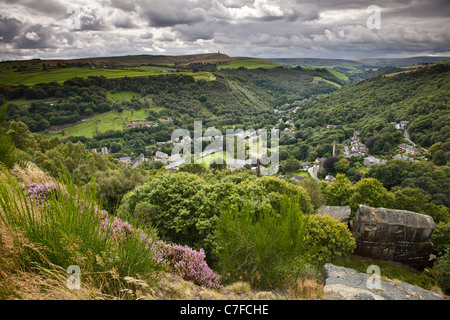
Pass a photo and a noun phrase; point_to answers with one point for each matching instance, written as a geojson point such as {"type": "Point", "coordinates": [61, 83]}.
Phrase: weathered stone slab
{"type": "Point", "coordinates": [396, 235]}
{"type": "Point", "coordinates": [346, 284]}
{"type": "Point", "coordinates": [341, 214]}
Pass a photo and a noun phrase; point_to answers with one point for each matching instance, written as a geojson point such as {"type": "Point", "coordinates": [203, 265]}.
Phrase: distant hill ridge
{"type": "Point", "coordinates": [378, 62]}
{"type": "Point", "coordinates": [142, 59]}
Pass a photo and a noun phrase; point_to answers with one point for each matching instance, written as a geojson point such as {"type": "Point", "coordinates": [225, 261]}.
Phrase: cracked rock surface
{"type": "Point", "coordinates": [346, 284]}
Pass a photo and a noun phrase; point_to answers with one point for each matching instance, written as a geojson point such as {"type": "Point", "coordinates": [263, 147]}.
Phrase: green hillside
{"type": "Point", "coordinates": [57, 97]}
{"type": "Point", "coordinates": [31, 72]}
{"type": "Point", "coordinates": [420, 96]}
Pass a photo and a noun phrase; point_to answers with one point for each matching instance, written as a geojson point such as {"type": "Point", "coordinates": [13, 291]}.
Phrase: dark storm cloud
{"type": "Point", "coordinates": [51, 7]}
{"type": "Point", "coordinates": [125, 23]}
{"type": "Point", "coordinates": [9, 29]}
{"type": "Point", "coordinates": [163, 13]}
{"type": "Point", "coordinates": [125, 5]}
{"type": "Point", "coordinates": [35, 37]}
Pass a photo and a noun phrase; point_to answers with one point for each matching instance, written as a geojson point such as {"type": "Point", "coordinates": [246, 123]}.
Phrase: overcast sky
{"type": "Point", "coordinates": [259, 28]}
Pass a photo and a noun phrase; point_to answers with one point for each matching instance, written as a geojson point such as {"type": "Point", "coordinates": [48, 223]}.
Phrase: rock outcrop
{"type": "Point", "coordinates": [341, 214]}
{"type": "Point", "coordinates": [396, 235]}
{"type": "Point", "coordinates": [347, 284]}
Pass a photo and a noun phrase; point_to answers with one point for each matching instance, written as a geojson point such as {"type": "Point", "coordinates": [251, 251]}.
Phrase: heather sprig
{"type": "Point", "coordinates": [188, 263]}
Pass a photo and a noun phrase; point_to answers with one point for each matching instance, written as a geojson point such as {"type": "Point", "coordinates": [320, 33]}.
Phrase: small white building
{"type": "Point", "coordinates": [370, 160]}
{"type": "Point", "coordinates": [161, 157]}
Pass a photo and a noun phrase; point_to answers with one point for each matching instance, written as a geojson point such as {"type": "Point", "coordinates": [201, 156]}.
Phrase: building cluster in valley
{"type": "Point", "coordinates": [173, 162]}
{"type": "Point", "coordinates": [352, 147]}
{"type": "Point", "coordinates": [128, 160]}
{"type": "Point", "coordinates": [355, 148]}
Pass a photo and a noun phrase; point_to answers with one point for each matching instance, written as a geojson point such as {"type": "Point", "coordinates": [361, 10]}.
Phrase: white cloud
{"type": "Point", "coordinates": [33, 36]}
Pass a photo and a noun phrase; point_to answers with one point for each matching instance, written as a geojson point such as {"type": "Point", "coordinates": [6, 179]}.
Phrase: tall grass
{"type": "Point", "coordinates": [65, 227]}
{"type": "Point", "coordinates": [266, 248]}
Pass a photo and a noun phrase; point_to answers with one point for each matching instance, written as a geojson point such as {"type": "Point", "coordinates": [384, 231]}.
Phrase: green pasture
{"type": "Point", "coordinates": [209, 159]}
{"type": "Point", "coordinates": [338, 74]}
{"type": "Point", "coordinates": [327, 81]}
{"type": "Point", "coordinates": [32, 76]}
{"type": "Point", "coordinates": [112, 120]}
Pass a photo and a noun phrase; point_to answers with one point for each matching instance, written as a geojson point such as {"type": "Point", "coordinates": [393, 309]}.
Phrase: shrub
{"type": "Point", "coordinates": [370, 192]}
{"type": "Point", "coordinates": [314, 190]}
{"type": "Point", "coordinates": [265, 248]}
{"type": "Point", "coordinates": [178, 204]}
{"type": "Point", "coordinates": [338, 192]}
{"type": "Point", "coordinates": [186, 207]}
{"type": "Point", "coordinates": [441, 238]}
{"type": "Point", "coordinates": [327, 240]}
{"type": "Point", "coordinates": [442, 272]}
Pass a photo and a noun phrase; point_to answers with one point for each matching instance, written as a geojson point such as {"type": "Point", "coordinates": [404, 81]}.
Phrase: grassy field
{"type": "Point", "coordinates": [338, 74]}
{"type": "Point", "coordinates": [209, 159]}
{"type": "Point", "coordinates": [33, 75]}
{"type": "Point", "coordinates": [30, 72]}
{"type": "Point", "coordinates": [101, 123]}
{"type": "Point", "coordinates": [317, 79]}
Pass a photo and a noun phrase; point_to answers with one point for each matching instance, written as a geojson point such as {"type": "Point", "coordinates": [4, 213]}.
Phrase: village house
{"type": "Point", "coordinates": [143, 124]}
{"type": "Point", "coordinates": [368, 161]}
{"type": "Point", "coordinates": [173, 166]}
{"type": "Point", "coordinates": [174, 158]}
{"type": "Point", "coordinates": [319, 163]}
{"type": "Point", "coordinates": [125, 160]}
{"type": "Point", "coordinates": [402, 125]}
{"type": "Point", "coordinates": [233, 164]}
{"type": "Point", "coordinates": [356, 147]}
{"type": "Point", "coordinates": [329, 179]}
{"type": "Point", "coordinates": [288, 132]}
{"type": "Point", "coordinates": [161, 157]}
{"type": "Point", "coordinates": [137, 161]}
{"type": "Point", "coordinates": [407, 149]}
{"type": "Point", "coordinates": [297, 178]}
{"type": "Point", "coordinates": [404, 158]}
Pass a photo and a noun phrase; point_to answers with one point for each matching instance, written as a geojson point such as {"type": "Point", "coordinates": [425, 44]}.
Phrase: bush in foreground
{"type": "Point", "coordinates": [327, 240]}
{"type": "Point", "coordinates": [265, 248]}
